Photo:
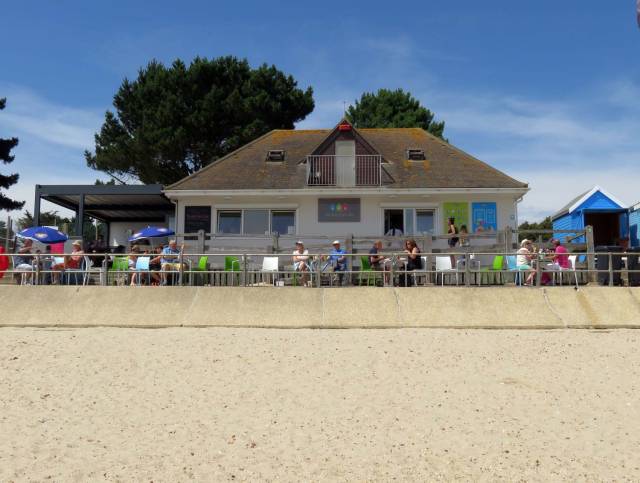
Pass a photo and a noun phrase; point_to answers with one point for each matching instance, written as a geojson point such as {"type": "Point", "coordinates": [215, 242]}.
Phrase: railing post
{"type": "Point", "coordinates": [428, 248]}
{"type": "Point", "coordinates": [610, 270]}
{"type": "Point", "coordinates": [181, 268]}
{"type": "Point", "coordinates": [392, 271]}
{"type": "Point", "coordinates": [37, 274]}
{"type": "Point", "coordinates": [244, 269]}
{"type": "Point", "coordinates": [200, 248]}
{"type": "Point", "coordinates": [318, 272]}
{"type": "Point", "coordinates": [539, 258]}
{"type": "Point", "coordinates": [104, 272]}
{"type": "Point", "coordinates": [592, 276]}
{"type": "Point", "coordinates": [467, 269]}
{"type": "Point", "coordinates": [348, 242]}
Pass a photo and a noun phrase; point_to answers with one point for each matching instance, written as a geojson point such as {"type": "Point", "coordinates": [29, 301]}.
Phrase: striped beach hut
{"type": "Point", "coordinates": [596, 207]}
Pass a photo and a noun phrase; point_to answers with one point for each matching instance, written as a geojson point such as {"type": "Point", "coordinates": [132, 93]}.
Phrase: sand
{"type": "Point", "coordinates": [289, 405]}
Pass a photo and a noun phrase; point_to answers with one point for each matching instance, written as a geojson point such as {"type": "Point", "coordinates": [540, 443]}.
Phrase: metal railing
{"type": "Point", "coordinates": [321, 269]}
{"type": "Point", "coordinates": [344, 171]}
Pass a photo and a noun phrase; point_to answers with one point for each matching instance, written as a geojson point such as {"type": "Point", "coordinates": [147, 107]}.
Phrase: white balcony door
{"type": "Point", "coordinates": [346, 163]}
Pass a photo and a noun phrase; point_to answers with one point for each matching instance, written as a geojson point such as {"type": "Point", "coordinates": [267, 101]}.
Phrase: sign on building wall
{"type": "Point", "coordinates": [197, 218]}
{"type": "Point", "coordinates": [485, 217]}
{"type": "Point", "coordinates": [459, 211]}
{"type": "Point", "coordinates": [338, 209]}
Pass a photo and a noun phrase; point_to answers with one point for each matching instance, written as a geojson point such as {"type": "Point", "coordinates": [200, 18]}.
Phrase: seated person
{"type": "Point", "coordinates": [338, 260]}
{"type": "Point", "coordinates": [413, 262]}
{"type": "Point", "coordinates": [524, 260]}
{"type": "Point", "coordinates": [132, 260]}
{"type": "Point", "coordinates": [301, 261]}
{"type": "Point", "coordinates": [169, 260]}
{"type": "Point", "coordinates": [70, 262]}
{"type": "Point", "coordinates": [155, 265]}
{"type": "Point", "coordinates": [560, 255]}
{"type": "Point", "coordinates": [24, 263]}
{"type": "Point", "coordinates": [379, 262]}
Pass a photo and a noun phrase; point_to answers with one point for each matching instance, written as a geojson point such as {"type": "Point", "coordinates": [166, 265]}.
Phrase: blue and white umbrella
{"type": "Point", "coordinates": [151, 232]}
{"type": "Point", "coordinates": [44, 234]}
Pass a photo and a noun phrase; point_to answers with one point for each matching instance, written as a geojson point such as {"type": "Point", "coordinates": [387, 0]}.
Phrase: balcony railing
{"type": "Point", "coordinates": [344, 171]}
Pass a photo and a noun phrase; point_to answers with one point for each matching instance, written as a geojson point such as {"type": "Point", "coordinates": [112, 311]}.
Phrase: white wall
{"type": "Point", "coordinates": [372, 211]}
{"type": "Point", "coordinates": [119, 231]}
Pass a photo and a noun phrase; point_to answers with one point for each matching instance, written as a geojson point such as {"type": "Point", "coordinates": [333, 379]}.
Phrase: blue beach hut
{"type": "Point", "coordinates": [634, 225]}
{"type": "Point", "coordinates": [604, 212]}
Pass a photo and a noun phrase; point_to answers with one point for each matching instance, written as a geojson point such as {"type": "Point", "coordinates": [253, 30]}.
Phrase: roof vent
{"type": "Point", "coordinates": [415, 154]}
{"type": "Point", "coordinates": [275, 155]}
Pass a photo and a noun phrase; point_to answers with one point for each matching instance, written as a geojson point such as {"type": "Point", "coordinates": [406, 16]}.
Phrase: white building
{"type": "Point", "coordinates": [344, 182]}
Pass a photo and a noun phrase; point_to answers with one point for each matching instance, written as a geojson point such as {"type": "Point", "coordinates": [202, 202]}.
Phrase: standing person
{"type": "Point", "coordinates": [464, 241]}
{"type": "Point", "coordinates": [452, 230]}
{"type": "Point", "coordinates": [301, 261]}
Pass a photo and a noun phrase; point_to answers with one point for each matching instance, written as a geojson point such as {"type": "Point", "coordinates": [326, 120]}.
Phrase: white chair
{"type": "Point", "coordinates": [443, 266]}
{"type": "Point", "coordinates": [269, 267]}
{"type": "Point", "coordinates": [420, 272]}
{"type": "Point", "coordinates": [572, 268]}
{"type": "Point", "coordinates": [89, 269]}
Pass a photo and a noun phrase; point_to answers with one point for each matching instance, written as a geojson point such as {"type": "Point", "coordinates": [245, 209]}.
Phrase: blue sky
{"type": "Point", "coordinates": [548, 91]}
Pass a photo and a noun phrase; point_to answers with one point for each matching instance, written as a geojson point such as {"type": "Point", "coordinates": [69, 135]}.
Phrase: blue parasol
{"type": "Point", "coordinates": [44, 234]}
{"type": "Point", "coordinates": [151, 232]}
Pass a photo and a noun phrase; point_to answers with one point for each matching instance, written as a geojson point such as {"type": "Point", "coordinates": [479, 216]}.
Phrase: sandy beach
{"type": "Point", "coordinates": [112, 404]}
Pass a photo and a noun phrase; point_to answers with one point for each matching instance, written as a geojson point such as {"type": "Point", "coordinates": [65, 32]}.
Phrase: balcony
{"type": "Point", "coordinates": [344, 171]}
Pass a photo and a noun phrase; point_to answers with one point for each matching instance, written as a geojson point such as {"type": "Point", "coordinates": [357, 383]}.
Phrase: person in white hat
{"type": "Point", "coordinates": [524, 260]}
{"type": "Point", "coordinates": [338, 260]}
{"type": "Point", "coordinates": [301, 261]}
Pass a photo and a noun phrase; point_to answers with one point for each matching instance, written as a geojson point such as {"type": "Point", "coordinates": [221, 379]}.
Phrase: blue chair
{"type": "Point", "coordinates": [142, 267]}
{"type": "Point", "coordinates": [512, 266]}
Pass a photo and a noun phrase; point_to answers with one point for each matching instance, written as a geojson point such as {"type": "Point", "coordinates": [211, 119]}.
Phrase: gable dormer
{"type": "Point", "coordinates": [344, 159]}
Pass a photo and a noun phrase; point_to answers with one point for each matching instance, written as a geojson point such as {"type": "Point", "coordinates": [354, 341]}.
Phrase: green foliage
{"type": "Point", "coordinates": [388, 108]}
{"type": "Point", "coordinates": [6, 145]}
{"type": "Point", "coordinates": [65, 224]}
{"type": "Point", "coordinates": [172, 121]}
{"type": "Point", "coordinates": [545, 224]}
{"type": "Point", "coordinates": [47, 218]}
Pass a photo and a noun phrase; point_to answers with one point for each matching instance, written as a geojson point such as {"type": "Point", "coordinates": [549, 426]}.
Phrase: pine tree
{"type": "Point", "coordinates": [6, 145]}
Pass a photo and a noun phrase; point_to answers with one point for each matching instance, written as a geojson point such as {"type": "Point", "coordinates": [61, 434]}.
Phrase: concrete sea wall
{"type": "Point", "coordinates": [293, 307]}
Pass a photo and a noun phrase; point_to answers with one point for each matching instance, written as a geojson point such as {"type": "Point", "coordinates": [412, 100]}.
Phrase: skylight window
{"type": "Point", "coordinates": [415, 154]}
{"type": "Point", "coordinates": [275, 155]}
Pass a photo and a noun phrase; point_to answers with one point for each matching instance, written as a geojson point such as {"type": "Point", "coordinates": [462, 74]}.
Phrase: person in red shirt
{"type": "Point", "coordinates": [561, 255]}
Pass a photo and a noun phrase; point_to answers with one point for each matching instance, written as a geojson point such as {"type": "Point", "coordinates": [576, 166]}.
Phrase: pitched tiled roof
{"type": "Point", "coordinates": [445, 165]}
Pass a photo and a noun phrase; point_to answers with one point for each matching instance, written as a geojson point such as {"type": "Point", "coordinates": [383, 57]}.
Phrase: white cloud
{"type": "Point", "coordinates": [560, 147]}
{"type": "Point", "coordinates": [52, 138]}
{"type": "Point", "coordinates": [28, 115]}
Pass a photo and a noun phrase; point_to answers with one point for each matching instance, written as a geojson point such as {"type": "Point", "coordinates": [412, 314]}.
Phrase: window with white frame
{"type": "Point", "coordinates": [258, 221]}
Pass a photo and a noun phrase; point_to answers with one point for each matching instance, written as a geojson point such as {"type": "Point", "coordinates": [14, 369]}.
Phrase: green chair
{"type": "Point", "coordinates": [203, 266]}
{"type": "Point", "coordinates": [232, 266]}
{"type": "Point", "coordinates": [495, 270]}
{"type": "Point", "coordinates": [119, 270]}
{"type": "Point", "coordinates": [367, 273]}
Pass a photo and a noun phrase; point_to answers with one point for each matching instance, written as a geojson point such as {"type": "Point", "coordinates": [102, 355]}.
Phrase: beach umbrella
{"type": "Point", "coordinates": [151, 232]}
{"type": "Point", "coordinates": [44, 234]}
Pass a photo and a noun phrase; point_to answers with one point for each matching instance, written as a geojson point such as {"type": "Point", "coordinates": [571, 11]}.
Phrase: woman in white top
{"type": "Point", "coordinates": [523, 261]}
{"type": "Point", "coordinates": [301, 261]}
